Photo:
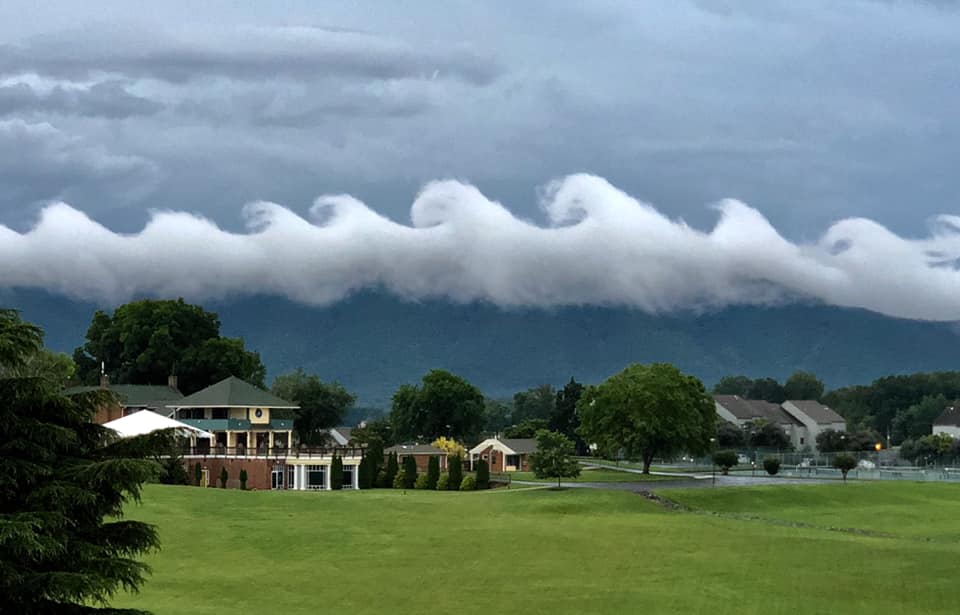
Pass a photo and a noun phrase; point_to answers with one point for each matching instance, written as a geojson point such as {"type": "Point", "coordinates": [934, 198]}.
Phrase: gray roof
{"type": "Point", "coordinates": [232, 393]}
{"type": "Point", "coordinates": [755, 409]}
{"type": "Point", "coordinates": [521, 445]}
{"type": "Point", "coordinates": [135, 395]}
{"type": "Point", "coordinates": [415, 449]}
{"type": "Point", "coordinates": [346, 432]}
{"type": "Point", "coordinates": [823, 415]}
{"type": "Point", "coordinates": [950, 416]}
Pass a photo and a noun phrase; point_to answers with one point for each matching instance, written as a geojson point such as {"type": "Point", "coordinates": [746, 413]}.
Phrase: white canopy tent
{"type": "Point", "coordinates": [147, 421]}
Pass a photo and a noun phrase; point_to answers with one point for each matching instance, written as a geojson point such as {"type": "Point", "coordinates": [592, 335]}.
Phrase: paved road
{"type": "Point", "coordinates": [687, 483]}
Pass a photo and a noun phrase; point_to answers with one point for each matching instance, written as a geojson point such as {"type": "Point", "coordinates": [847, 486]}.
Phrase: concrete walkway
{"type": "Point", "coordinates": [605, 466]}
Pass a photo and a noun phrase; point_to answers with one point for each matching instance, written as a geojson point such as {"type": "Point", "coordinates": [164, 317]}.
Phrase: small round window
{"type": "Point", "coordinates": [259, 413]}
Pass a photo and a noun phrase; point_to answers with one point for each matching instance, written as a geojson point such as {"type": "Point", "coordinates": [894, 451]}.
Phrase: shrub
{"type": "Point", "coordinates": [392, 468]}
{"type": "Point", "coordinates": [243, 479]}
{"type": "Point", "coordinates": [172, 471]}
{"type": "Point", "coordinates": [771, 465]}
{"type": "Point", "coordinates": [469, 483]}
{"type": "Point", "coordinates": [197, 474]}
{"type": "Point", "coordinates": [365, 479]}
{"type": "Point", "coordinates": [844, 463]}
{"type": "Point", "coordinates": [381, 481]}
{"type": "Point", "coordinates": [433, 472]}
{"type": "Point", "coordinates": [456, 473]}
{"type": "Point", "coordinates": [409, 472]}
{"type": "Point", "coordinates": [483, 475]}
{"type": "Point", "coordinates": [223, 477]}
{"type": "Point", "coordinates": [400, 480]}
{"type": "Point", "coordinates": [725, 459]}
{"type": "Point", "coordinates": [336, 473]}
{"type": "Point", "coordinates": [443, 482]}
{"type": "Point", "coordinates": [422, 482]}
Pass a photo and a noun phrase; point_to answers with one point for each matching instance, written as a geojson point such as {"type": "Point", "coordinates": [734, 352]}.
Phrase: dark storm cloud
{"type": "Point", "coordinates": [107, 99]}
{"type": "Point", "coordinates": [247, 52]}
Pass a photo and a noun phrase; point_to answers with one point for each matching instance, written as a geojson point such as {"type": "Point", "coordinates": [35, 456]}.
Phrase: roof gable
{"type": "Point", "coordinates": [232, 393]}
{"type": "Point", "coordinates": [950, 416]}
{"type": "Point", "coordinates": [821, 414]}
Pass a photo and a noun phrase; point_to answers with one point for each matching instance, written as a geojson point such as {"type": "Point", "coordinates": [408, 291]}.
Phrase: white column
{"type": "Point", "coordinates": [302, 478]}
{"type": "Point", "coordinates": [326, 477]}
{"type": "Point", "coordinates": [356, 476]}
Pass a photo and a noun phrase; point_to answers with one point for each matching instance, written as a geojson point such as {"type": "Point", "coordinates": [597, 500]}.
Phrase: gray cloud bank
{"type": "Point", "coordinates": [600, 246]}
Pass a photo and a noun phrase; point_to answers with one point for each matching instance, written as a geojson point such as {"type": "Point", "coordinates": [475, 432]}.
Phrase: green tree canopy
{"type": "Point", "coordinates": [443, 405]}
{"type": "Point", "coordinates": [767, 389]}
{"type": "Point", "coordinates": [729, 435]}
{"type": "Point", "coordinates": [554, 456]}
{"type": "Point", "coordinates": [146, 341]}
{"type": "Point", "coordinates": [64, 547]}
{"type": "Point", "coordinates": [565, 419]}
{"type": "Point", "coordinates": [803, 385]}
{"type": "Point", "coordinates": [648, 411]}
{"type": "Point", "coordinates": [496, 415]}
{"type": "Point", "coordinates": [526, 429]}
{"type": "Point", "coordinates": [733, 385]}
{"type": "Point", "coordinates": [764, 434]}
{"type": "Point", "coordinates": [322, 405]}
{"type": "Point", "coordinates": [917, 420]}
{"type": "Point", "coordinates": [536, 403]}
{"type": "Point", "coordinates": [725, 460]}
{"type": "Point", "coordinates": [54, 368]}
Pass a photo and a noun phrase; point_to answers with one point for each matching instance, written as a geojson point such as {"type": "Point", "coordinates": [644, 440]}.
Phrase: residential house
{"type": "Point", "coordinates": [816, 418]}
{"type": "Point", "coordinates": [506, 455]}
{"type": "Point", "coordinates": [742, 412]}
{"type": "Point", "coordinates": [949, 421]}
{"type": "Point", "coordinates": [130, 398]}
{"type": "Point", "coordinates": [248, 435]}
{"type": "Point", "coordinates": [421, 453]}
{"type": "Point", "coordinates": [341, 435]}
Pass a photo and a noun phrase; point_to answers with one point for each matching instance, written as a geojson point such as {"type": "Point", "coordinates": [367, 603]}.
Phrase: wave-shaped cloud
{"type": "Point", "coordinates": [600, 247]}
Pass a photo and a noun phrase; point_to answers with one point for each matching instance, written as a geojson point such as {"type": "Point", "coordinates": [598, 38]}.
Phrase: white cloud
{"type": "Point", "coordinates": [600, 246]}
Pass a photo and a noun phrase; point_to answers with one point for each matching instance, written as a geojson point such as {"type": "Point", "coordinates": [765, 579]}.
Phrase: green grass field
{"type": "Point", "coordinates": [538, 550]}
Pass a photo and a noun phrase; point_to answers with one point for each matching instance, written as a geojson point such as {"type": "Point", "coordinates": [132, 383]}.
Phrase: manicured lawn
{"type": "Point", "coordinates": [545, 551]}
{"type": "Point", "coordinates": [587, 475]}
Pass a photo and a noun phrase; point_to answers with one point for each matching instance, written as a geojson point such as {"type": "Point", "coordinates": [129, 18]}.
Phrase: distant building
{"type": "Point", "coordinates": [247, 435]}
{"type": "Point", "coordinates": [949, 421]}
{"type": "Point", "coordinates": [341, 435]}
{"type": "Point", "coordinates": [741, 412]}
{"type": "Point", "coordinates": [131, 398]}
{"type": "Point", "coordinates": [507, 455]}
{"type": "Point", "coordinates": [815, 416]}
{"type": "Point", "coordinates": [421, 453]}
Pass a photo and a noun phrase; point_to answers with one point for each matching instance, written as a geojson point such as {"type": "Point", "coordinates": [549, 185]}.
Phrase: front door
{"type": "Point", "coordinates": [276, 479]}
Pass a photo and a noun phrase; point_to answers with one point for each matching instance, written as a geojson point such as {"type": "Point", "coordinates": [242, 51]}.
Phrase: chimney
{"type": "Point", "coordinates": [172, 382]}
{"type": "Point", "coordinates": [104, 381]}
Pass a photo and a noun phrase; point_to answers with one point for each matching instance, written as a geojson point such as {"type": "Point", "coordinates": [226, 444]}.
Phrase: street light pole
{"type": "Point", "coordinates": [713, 461]}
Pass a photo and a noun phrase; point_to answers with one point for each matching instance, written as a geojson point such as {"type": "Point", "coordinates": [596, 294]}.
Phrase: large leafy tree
{"type": "Point", "coordinates": [565, 419]}
{"type": "Point", "coordinates": [144, 342]}
{"type": "Point", "coordinates": [733, 385]}
{"type": "Point", "coordinates": [526, 429]}
{"type": "Point", "coordinates": [803, 385]}
{"type": "Point", "coordinates": [536, 403]}
{"type": "Point", "coordinates": [55, 368]}
{"type": "Point", "coordinates": [443, 405]}
{"type": "Point", "coordinates": [648, 411]}
{"type": "Point", "coordinates": [554, 456]}
{"type": "Point", "coordinates": [64, 547]}
{"type": "Point", "coordinates": [767, 389]}
{"type": "Point", "coordinates": [322, 405]}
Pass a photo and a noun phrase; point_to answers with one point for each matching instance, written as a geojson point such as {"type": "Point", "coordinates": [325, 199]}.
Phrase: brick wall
{"type": "Point", "coordinates": [258, 471]}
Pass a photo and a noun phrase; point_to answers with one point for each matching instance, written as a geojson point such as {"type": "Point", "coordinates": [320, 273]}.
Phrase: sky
{"type": "Point", "coordinates": [833, 124]}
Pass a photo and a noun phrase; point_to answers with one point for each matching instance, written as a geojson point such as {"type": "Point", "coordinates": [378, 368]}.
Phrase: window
{"type": "Point", "coordinates": [220, 413]}
{"type": "Point", "coordinates": [801, 440]}
{"type": "Point", "coordinates": [348, 477]}
{"type": "Point", "coordinates": [513, 460]}
{"type": "Point", "coordinates": [316, 477]}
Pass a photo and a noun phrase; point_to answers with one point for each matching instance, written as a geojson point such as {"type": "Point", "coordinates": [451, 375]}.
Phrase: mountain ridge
{"type": "Point", "coordinates": [373, 342]}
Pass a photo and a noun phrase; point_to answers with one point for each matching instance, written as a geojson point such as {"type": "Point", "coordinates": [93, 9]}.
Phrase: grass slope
{"type": "Point", "coordinates": [590, 475]}
{"type": "Point", "coordinates": [538, 551]}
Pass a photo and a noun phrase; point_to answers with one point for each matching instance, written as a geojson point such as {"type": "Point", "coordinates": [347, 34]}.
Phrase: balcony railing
{"type": "Point", "coordinates": [280, 452]}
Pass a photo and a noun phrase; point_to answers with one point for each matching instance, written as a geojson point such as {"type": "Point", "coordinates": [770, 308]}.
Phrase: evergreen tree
{"type": "Point", "coordinates": [433, 472]}
{"type": "Point", "coordinates": [223, 477]}
{"type": "Point", "coordinates": [365, 479]}
{"type": "Point", "coordinates": [64, 481]}
{"type": "Point", "coordinates": [456, 472]}
{"type": "Point", "coordinates": [392, 469]}
{"type": "Point", "coordinates": [243, 479]}
{"type": "Point", "coordinates": [197, 473]}
{"type": "Point", "coordinates": [483, 475]}
{"type": "Point", "coordinates": [375, 455]}
{"type": "Point", "coordinates": [409, 471]}
{"type": "Point", "coordinates": [336, 473]}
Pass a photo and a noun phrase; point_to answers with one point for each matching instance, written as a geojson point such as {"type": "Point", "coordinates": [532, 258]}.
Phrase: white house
{"type": "Point", "coordinates": [949, 421]}
{"type": "Point", "coordinates": [815, 416]}
{"type": "Point", "coordinates": [740, 412]}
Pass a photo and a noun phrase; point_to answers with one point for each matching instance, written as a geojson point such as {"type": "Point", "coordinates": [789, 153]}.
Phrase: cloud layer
{"type": "Point", "coordinates": [599, 246]}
